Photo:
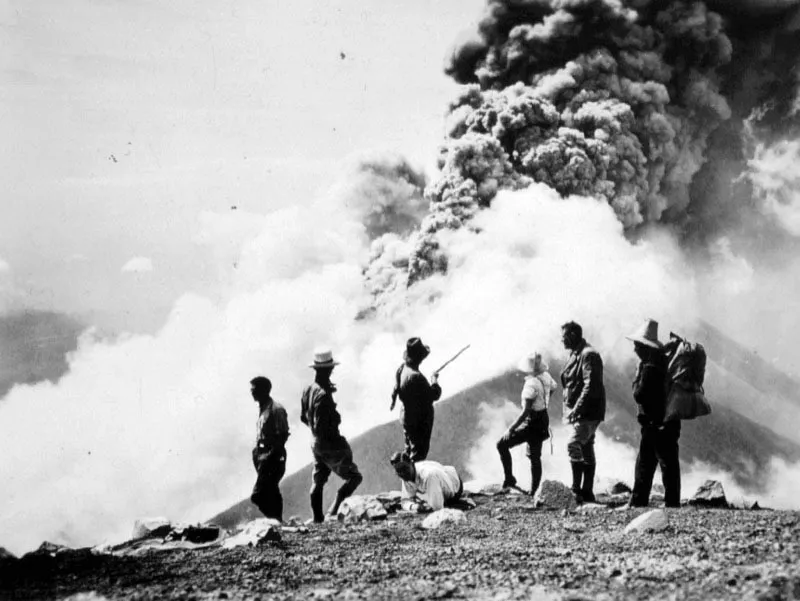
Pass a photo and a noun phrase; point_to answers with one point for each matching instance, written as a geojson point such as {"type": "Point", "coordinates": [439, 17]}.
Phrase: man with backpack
{"type": "Point", "coordinates": [417, 396]}
{"type": "Point", "coordinates": [659, 441]}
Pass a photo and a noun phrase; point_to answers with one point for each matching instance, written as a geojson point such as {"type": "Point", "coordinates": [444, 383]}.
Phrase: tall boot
{"type": "Point", "coordinates": [536, 475]}
{"type": "Point", "coordinates": [587, 491]}
{"type": "Point", "coordinates": [316, 505]}
{"type": "Point", "coordinates": [505, 459]}
{"type": "Point", "coordinates": [577, 475]}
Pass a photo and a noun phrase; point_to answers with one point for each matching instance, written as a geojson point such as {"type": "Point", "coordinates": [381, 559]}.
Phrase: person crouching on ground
{"type": "Point", "coordinates": [532, 426]}
{"type": "Point", "coordinates": [659, 442]}
{"type": "Point", "coordinates": [429, 482]}
{"type": "Point", "coordinates": [269, 454]}
{"type": "Point", "coordinates": [331, 450]}
{"type": "Point", "coordinates": [585, 407]}
{"type": "Point", "coordinates": [417, 396]}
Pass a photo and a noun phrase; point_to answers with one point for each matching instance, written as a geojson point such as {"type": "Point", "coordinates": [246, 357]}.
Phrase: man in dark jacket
{"type": "Point", "coordinates": [269, 454]}
{"type": "Point", "coordinates": [331, 450]}
{"type": "Point", "coordinates": [659, 442]}
{"type": "Point", "coordinates": [585, 407]}
{"type": "Point", "coordinates": [417, 396]}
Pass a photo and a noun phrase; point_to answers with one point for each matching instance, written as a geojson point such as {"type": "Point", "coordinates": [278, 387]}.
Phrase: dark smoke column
{"type": "Point", "coordinates": [603, 98]}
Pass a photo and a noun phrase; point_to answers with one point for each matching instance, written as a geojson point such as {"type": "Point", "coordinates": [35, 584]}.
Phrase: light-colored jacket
{"type": "Point", "coordinates": [435, 484]}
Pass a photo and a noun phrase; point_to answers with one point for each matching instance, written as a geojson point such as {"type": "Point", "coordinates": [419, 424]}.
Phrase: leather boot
{"type": "Point", "coordinates": [577, 475]}
{"type": "Point", "coordinates": [316, 506]}
{"type": "Point", "coordinates": [587, 491]}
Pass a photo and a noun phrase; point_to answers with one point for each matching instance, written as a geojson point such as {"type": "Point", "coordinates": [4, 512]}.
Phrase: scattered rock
{"type": "Point", "coordinates": [651, 521]}
{"type": "Point", "coordinates": [478, 487]}
{"type": "Point", "coordinates": [554, 495]}
{"type": "Point", "coordinates": [443, 516]}
{"type": "Point", "coordinates": [710, 494]}
{"type": "Point", "coordinates": [90, 596]}
{"type": "Point", "coordinates": [618, 488]}
{"type": "Point", "coordinates": [614, 500]}
{"type": "Point", "coordinates": [255, 533]}
{"type": "Point", "coordinates": [658, 489]}
{"type": "Point", "coordinates": [194, 534]}
{"type": "Point", "coordinates": [360, 508]}
{"type": "Point", "coordinates": [323, 593]}
{"type": "Point", "coordinates": [151, 527]}
{"type": "Point", "coordinates": [590, 507]}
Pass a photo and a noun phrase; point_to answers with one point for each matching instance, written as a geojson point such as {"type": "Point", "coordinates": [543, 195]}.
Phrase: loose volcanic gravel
{"type": "Point", "coordinates": [504, 550]}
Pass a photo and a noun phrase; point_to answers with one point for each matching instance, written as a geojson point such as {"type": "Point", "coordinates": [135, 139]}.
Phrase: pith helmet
{"type": "Point", "coordinates": [647, 334]}
{"type": "Point", "coordinates": [532, 364]}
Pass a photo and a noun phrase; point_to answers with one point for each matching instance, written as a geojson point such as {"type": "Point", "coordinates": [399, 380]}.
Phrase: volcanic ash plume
{"type": "Point", "coordinates": [638, 103]}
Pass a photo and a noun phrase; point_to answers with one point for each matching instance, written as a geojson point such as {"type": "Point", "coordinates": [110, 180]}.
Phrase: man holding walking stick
{"type": "Point", "coordinates": [417, 396]}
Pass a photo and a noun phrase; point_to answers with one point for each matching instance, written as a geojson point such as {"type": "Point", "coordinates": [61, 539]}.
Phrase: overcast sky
{"type": "Point", "coordinates": [131, 128]}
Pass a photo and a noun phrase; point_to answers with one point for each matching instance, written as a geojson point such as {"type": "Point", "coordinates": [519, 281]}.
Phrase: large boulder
{"type": "Point", "coordinates": [151, 528]}
{"type": "Point", "coordinates": [443, 516]}
{"type": "Point", "coordinates": [254, 534]}
{"type": "Point", "coordinates": [710, 494]}
{"type": "Point", "coordinates": [650, 521]}
{"type": "Point", "coordinates": [554, 495]}
{"type": "Point", "coordinates": [361, 508]}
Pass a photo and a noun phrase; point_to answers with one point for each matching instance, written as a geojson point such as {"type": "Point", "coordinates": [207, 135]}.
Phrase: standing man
{"type": "Point", "coordinates": [659, 442]}
{"type": "Point", "coordinates": [269, 454]}
{"type": "Point", "coordinates": [532, 426]}
{"type": "Point", "coordinates": [417, 396]}
{"type": "Point", "coordinates": [331, 450]}
{"type": "Point", "coordinates": [585, 407]}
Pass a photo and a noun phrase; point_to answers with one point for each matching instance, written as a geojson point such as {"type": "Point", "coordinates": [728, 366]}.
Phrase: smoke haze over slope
{"type": "Point", "coordinates": [630, 175]}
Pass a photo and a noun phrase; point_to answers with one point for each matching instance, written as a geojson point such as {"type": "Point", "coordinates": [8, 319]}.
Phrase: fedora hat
{"type": "Point", "coordinates": [417, 350]}
{"type": "Point", "coordinates": [323, 358]}
{"type": "Point", "coordinates": [532, 364]}
{"type": "Point", "coordinates": [647, 334]}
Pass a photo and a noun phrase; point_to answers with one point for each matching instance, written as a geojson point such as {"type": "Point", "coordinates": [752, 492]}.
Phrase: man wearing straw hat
{"type": "Point", "coordinates": [585, 407]}
{"type": "Point", "coordinates": [532, 426]}
{"type": "Point", "coordinates": [417, 396]}
{"type": "Point", "coordinates": [659, 442]}
{"type": "Point", "coordinates": [331, 450]}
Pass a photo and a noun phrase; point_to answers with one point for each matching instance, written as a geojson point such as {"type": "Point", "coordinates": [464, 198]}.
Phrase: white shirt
{"type": "Point", "coordinates": [539, 388]}
{"type": "Point", "coordinates": [435, 483]}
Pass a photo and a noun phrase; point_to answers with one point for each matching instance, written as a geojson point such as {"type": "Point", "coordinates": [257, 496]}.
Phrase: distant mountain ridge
{"type": "Point", "coordinates": [726, 440]}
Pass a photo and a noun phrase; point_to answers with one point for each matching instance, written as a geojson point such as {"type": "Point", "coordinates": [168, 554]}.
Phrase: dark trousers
{"type": "Point", "coordinates": [533, 436]}
{"type": "Point", "coordinates": [658, 447]}
{"type": "Point", "coordinates": [417, 429]}
{"type": "Point", "coordinates": [270, 467]}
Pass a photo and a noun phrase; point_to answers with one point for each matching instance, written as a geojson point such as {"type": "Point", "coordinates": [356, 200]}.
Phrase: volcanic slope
{"type": "Point", "coordinates": [726, 440]}
{"type": "Point", "coordinates": [503, 550]}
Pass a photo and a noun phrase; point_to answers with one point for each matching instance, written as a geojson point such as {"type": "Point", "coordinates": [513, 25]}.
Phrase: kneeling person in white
{"type": "Point", "coordinates": [433, 483]}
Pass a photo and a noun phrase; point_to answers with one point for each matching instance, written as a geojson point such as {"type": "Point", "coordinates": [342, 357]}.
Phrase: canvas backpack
{"type": "Point", "coordinates": [686, 370]}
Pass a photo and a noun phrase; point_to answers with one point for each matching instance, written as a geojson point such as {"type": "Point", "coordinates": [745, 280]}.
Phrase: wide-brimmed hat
{"type": "Point", "coordinates": [647, 334]}
{"type": "Point", "coordinates": [532, 363]}
{"type": "Point", "coordinates": [323, 358]}
{"type": "Point", "coordinates": [416, 350]}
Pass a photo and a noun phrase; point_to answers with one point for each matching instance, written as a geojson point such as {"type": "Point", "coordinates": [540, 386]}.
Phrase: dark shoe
{"type": "Point", "coordinates": [510, 483]}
